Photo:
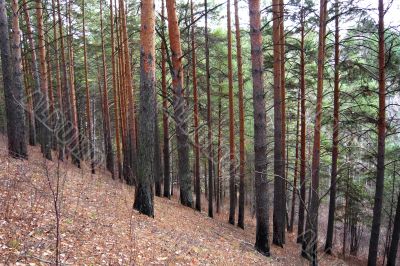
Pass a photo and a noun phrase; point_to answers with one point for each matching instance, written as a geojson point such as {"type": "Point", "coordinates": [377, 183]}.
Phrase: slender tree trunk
{"type": "Point", "coordinates": [179, 106]}
{"type": "Point", "coordinates": [75, 151]}
{"type": "Point", "coordinates": [335, 139]}
{"type": "Point", "coordinates": [311, 236]}
{"type": "Point", "coordinates": [147, 112]}
{"type": "Point", "coordinates": [44, 110]}
{"type": "Point", "coordinates": [395, 236]}
{"type": "Point", "coordinates": [232, 167]}
{"type": "Point", "coordinates": [130, 164]}
{"type": "Point", "coordinates": [53, 140]}
{"type": "Point", "coordinates": [87, 91]}
{"type": "Point", "coordinates": [106, 121]}
{"type": "Point", "coordinates": [302, 198]}
{"type": "Point", "coordinates": [157, 156]}
{"type": "Point", "coordinates": [195, 114]}
{"type": "Point", "coordinates": [167, 175]}
{"type": "Point", "coordinates": [219, 154]}
{"type": "Point", "coordinates": [33, 95]}
{"type": "Point", "coordinates": [209, 119]}
{"type": "Point", "coordinates": [12, 79]}
{"type": "Point", "coordinates": [59, 127]}
{"type": "Point", "coordinates": [29, 104]}
{"type": "Point", "coordinates": [279, 161]}
{"type": "Point", "coordinates": [115, 94]}
{"type": "Point", "coordinates": [260, 133]}
{"type": "Point", "coordinates": [296, 172]}
{"type": "Point", "coordinates": [241, 118]}
{"type": "Point", "coordinates": [65, 121]}
{"type": "Point", "coordinates": [380, 172]}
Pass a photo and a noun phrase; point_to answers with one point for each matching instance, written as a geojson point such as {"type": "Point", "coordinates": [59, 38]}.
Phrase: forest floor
{"type": "Point", "coordinates": [97, 225]}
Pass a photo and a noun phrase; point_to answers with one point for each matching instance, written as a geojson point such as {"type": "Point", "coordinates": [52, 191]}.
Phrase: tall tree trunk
{"type": "Point", "coordinates": [75, 151]}
{"type": "Point", "coordinates": [115, 92]}
{"type": "Point", "coordinates": [209, 120]}
{"type": "Point", "coordinates": [260, 133]}
{"type": "Point", "coordinates": [44, 127]}
{"type": "Point", "coordinates": [395, 236]}
{"type": "Point", "coordinates": [296, 172]}
{"type": "Point", "coordinates": [59, 127]}
{"type": "Point", "coordinates": [130, 149]}
{"type": "Point", "coordinates": [179, 106]}
{"type": "Point", "coordinates": [380, 172]}
{"type": "Point", "coordinates": [195, 114]}
{"type": "Point", "coordinates": [335, 139]}
{"type": "Point", "coordinates": [279, 161]}
{"type": "Point", "coordinates": [302, 198]}
{"type": "Point", "coordinates": [87, 91]}
{"type": "Point", "coordinates": [65, 121]}
{"type": "Point", "coordinates": [167, 175]}
{"type": "Point", "coordinates": [33, 95]}
{"type": "Point", "coordinates": [219, 154]}
{"type": "Point", "coordinates": [242, 161]}
{"type": "Point", "coordinates": [311, 236]}
{"type": "Point", "coordinates": [106, 120]}
{"type": "Point", "coordinates": [232, 165]}
{"type": "Point", "coordinates": [147, 112]}
{"type": "Point", "coordinates": [12, 79]}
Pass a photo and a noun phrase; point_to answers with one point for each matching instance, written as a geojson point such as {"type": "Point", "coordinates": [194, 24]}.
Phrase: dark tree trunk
{"type": "Point", "coordinates": [302, 198]}
{"type": "Point", "coordinates": [219, 154]}
{"type": "Point", "coordinates": [195, 114]}
{"type": "Point", "coordinates": [157, 157]}
{"type": "Point", "coordinates": [180, 112]}
{"type": "Point", "coordinates": [209, 121]}
{"type": "Point", "coordinates": [232, 157]}
{"type": "Point", "coordinates": [260, 133]}
{"type": "Point", "coordinates": [87, 92]}
{"type": "Point", "coordinates": [296, 172]}
{"type": "Point", "coordinates": [33, 95]}
{"type": "Point", "coordinates": [106, 119]}
{"type": "Point", "coordinates": [115, 92]}
{"type": "Point", "coordinates": [395, 236]}
{"type": "Point", "coordinates": [147, 112]}
{"type": "Point", "coordinates": [13, 87]}
{"type": "Point", "coordinates": [335, 141]}
{"type": "Point", "coordinates": [45, 133]}
{"type": "Point", "coordinates": [167, 174]}
{"type": "Point", "coordinates": [279, 219]}
{"type": "Point", "coordinates": [380, 172]}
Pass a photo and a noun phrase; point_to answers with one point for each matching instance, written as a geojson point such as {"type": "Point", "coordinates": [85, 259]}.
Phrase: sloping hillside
{"type": "Point", "coordinates": [97, 225]}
